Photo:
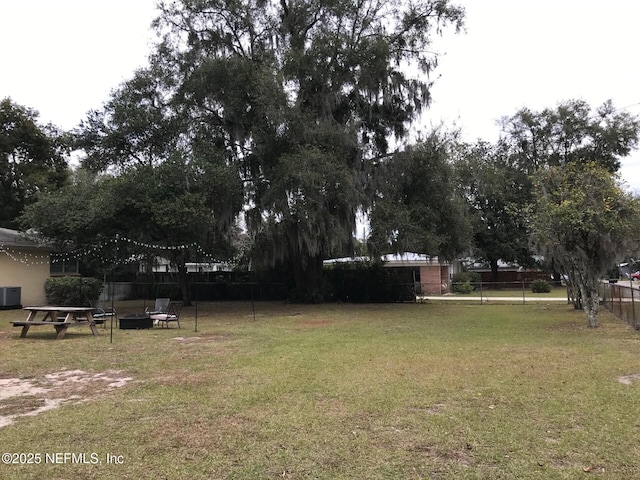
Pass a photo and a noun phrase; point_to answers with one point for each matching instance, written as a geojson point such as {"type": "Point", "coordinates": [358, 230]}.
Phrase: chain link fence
{"type": "Point", "coordinates": [620, 300]}
{"type": "Point", "coordinates": [490, 292]}
{"type": "Point", "coordinates": [352, 290]}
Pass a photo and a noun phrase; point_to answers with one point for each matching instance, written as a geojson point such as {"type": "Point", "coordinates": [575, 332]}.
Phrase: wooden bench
{"type": "Point", "coordinates": [61, 327]}
{"type": "Point", "coordinates": [44, 322]}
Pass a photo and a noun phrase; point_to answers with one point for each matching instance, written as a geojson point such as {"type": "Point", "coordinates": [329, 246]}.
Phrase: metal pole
{"type": "Point", "coordinates": [196, 292]}
{"type": "Point", "coordinates": [113, 281]}
{"type": "Point", "coordinates": [113, 284]}
{"type": "Point", "coordinates": [524, 301]}
{"type": "Point", "coordinates": [633, 310]}
{"type": "Point", "coordinates": [253, 306]}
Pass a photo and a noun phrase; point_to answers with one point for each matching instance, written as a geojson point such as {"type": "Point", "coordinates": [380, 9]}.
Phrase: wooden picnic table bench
{"type": "Point", "coordinates": [61, 318]}
{"type": "Point", "coordinates": [61, 327]}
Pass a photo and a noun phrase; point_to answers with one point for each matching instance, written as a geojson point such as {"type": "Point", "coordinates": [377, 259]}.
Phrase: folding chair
{"type": "Point", "coordinates": [172, 315]}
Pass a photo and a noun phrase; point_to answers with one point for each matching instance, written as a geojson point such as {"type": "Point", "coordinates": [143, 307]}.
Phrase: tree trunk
{"type": "Point", "coordinates": [590, 304]}
{"type": "Point", "coordinates": [575, 294]}
{"type": "Point", "coordinates": [183, 280]}
{"type": "Point", "coordinates": [494, 272]}
{"type": "Point", "coordinates": [575, 285]}
{"type": "Point", "coordinates": [307, 273]}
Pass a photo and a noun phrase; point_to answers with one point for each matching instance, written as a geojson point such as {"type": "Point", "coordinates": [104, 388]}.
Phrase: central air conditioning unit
{"type": "Point", "coordinates": [10, 297]}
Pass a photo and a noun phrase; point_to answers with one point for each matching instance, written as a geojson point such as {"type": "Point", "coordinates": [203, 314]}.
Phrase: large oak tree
{"type": "Point", "coordinates": [32, 160]}
{"type": "Point", "coordinates": [163, 179]}
{"type": "Point", "coordinates": [305, 95]}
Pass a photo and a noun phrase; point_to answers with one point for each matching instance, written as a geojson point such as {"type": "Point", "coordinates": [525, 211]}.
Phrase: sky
{"type": "Point", "coordinates": [63, 57]}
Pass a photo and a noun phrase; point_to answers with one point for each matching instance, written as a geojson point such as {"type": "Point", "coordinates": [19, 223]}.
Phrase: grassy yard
{"type": "Point", "coordinates": [406, 391]}
{"type": "Point", "coordinates": [556, 292]}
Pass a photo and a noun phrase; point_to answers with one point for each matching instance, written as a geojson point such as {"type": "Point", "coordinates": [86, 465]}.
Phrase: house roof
{"type": "Point", "coordinates": [406, 259]}
{"type": "Point", "coordinates": [14, 238]}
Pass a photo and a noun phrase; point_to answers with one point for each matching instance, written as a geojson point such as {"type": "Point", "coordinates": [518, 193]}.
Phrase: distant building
{"type": "Point", "coordinates": [430, 275]}
{"type": "Point", "coordinates": [24, 265]}
{"type": "Point", "coordinates": [164, 265]}
{"type": "Point", "coordinates": [510, 274]}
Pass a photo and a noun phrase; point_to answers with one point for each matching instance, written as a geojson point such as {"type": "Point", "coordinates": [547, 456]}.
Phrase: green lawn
{"type": "Point", "coordinates": [556, 292]}
{"type": "Point", "coordinates": [406, 391]}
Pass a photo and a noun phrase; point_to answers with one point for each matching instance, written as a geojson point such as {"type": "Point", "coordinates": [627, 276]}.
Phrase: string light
{"type": "Point", "coordinates": [24, 257]}
{"type": "Point", "coordinates": [96, 252]}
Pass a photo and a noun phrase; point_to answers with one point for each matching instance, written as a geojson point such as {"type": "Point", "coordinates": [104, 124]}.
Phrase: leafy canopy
{"type": "Point", "coordinates": [418, 207]}
{"type": "Point", "coordinates": [32, 160]}
{"type": "Point", "coordinates": [586, 222]}
{"type": "Point", "coordinates": [572, 132]}
{"type": "Point", "coordinates": [498, 193]}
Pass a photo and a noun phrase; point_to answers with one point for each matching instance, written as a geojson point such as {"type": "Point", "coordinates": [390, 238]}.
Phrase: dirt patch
{"type": "Point", "coordinates": [22, 397]}
{"type": "Point", "coordinates": [568, 327]}
{"type": "Point", "coordinates": [629, 379]}
{"type": "Point", "coordinates": [461, 457]}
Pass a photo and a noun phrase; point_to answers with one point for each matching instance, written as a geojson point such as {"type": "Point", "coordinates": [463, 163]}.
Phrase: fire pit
{"type": "Point", "coordinates": [135, 321]}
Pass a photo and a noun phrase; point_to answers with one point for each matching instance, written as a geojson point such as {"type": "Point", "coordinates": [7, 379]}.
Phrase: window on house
{"type": "Point", "coordinates": [65, 267]}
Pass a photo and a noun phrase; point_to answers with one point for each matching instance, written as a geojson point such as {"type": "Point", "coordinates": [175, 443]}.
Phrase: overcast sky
{"type": "Point", "coordinates": [63, 57]}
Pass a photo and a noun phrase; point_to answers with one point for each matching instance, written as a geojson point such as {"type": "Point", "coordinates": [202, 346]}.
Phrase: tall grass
{"type": "Point", "coordinates": [341, 391]}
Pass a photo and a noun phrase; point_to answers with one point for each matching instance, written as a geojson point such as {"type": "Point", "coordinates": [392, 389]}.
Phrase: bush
{"type": "Point", "coordinates": [68, 291]}
{"type": "Point", "coordinates": [540, 286]}
{"type": "Point", "coordinates": [462, 287]}
{"type": "Point", "coordinates": [464, 282]}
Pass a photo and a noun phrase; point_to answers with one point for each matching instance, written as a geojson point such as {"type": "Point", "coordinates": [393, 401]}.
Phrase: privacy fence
{"type": "Point", "coordinates": [355, 292]}
{"type": "Point", "coordinates": [348, 287]}
{"type": "Point", "coordinates": [204, 291]}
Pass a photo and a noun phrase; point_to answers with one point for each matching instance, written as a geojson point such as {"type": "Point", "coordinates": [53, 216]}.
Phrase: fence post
{"type": "Point", "coordinates": [633, 310]}
{"type": "Point", "coordinates": [620, 301]}
{"type": "Point", "coordinates": [253, 305]}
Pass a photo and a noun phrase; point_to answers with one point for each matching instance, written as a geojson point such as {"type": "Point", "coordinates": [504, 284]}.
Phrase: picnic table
{"type": "Point", "coordinates": [61, 318]}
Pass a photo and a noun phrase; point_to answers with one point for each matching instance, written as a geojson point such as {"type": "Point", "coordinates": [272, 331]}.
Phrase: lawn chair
{"type": "Point", "coordinates": [172, 315]}
{"type": "Point", "coordinates": [160, 307]}
{"type": "Point", "coordinates": [100, 313]}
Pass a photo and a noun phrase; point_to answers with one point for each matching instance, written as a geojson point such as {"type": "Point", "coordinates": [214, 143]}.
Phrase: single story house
{"type": "Point", "coordinates": [430, 274]}
{"type": "Point", "coordinates": [24, 267]}
{"type": "Point", "coordinates": [164, 265]}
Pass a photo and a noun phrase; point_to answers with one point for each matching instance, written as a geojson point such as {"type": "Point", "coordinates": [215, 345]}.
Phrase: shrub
{"type": "Point", "coordinates": [462, 287]}
{"type": "Point", "coordinates": [67, 291]}
{"type": "Point", "coordinates": [461, 277]}
{"type": "Point", "coordinates": [540, 286]}
{"type": "Point", "coordinates": [465, 282]}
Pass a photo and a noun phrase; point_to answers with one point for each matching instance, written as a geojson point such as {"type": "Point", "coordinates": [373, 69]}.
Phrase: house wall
{"type": "Point", "coordinates": [29, 276]}
{"type": "Point", "coordinates": [431, 279]}
{"type": "Point", "coordinates": [444, 278]}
